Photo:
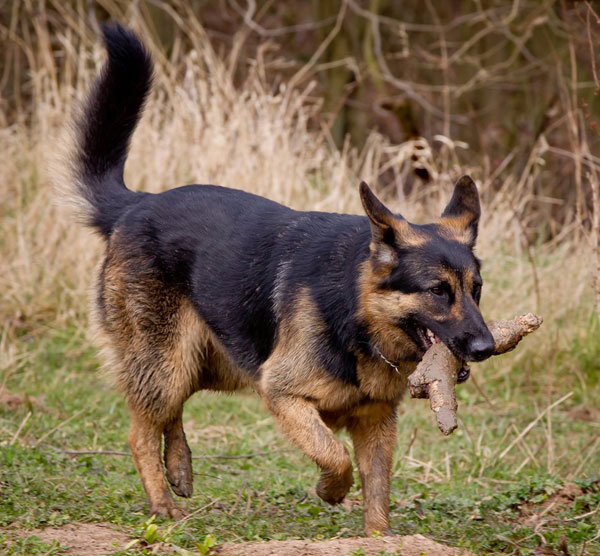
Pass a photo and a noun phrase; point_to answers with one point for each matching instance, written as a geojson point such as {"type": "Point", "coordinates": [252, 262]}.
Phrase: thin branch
{"type": "Point", "coordinates": [16, 435]}
{"type": "Point", "coordinates": [61, 424]}
{"type": "Point", "coordinates": [389, 77]}
{"type": "Point", "coordinates": [593, 180]}
{"type": "Point", "coordinates": [304, 70]}
{"type": "Point", "coordinates": [533, 423]}
{"type": "Point", "coordinates": [248, 16]}
{"type": "Point", "coordinates": [124, 453]}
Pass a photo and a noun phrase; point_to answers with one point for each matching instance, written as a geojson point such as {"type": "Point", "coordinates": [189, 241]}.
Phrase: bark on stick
{"type": "Point", "coordinates": [435, 376]}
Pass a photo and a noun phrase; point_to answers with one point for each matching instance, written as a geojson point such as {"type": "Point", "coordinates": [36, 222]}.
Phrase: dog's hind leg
{"type": "Point", "coordinates": [178, 458]}
{"type": "Point", "coordinates": [144, 440]}
{"type": "Point", "coordinates": [299, 419]}
{"type": "Point", "coordinates": [151, 335]}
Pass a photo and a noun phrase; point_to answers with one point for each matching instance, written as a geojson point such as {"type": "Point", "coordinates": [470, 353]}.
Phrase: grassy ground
{"type": "Point", "coordinates": [471, 489]}
{"type": "Point", "coordinates": [515, 478]}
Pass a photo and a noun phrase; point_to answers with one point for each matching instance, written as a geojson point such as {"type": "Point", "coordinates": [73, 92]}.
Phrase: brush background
{"type": "Point", "coordinates": [299, 102]}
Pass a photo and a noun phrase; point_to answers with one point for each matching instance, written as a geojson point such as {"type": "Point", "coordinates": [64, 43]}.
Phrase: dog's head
{"type": "Point", "coordinates": [422, 283]}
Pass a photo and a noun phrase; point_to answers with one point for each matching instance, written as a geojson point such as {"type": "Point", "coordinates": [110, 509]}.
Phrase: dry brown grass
{"type": "Point", "coordinates": [199, 127]}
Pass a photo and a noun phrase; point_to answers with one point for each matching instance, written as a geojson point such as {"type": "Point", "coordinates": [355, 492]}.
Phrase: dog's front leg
{"type": "Point", "coordinates": [373, 431]}
{"type": "Point", "coordinates": [300, 421]}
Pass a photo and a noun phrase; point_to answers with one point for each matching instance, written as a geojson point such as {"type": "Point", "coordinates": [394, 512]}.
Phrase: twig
{"type": "Point", "coordinates": [61, 424]}
{"type": "Point", "coordinates": [248, 16]}
{"type": "Point", "coordinates": [94, 453]}
{"type": "Point", "coordinates": [237, 500]}
{"type": "Point", "coordinates": [592, 178]}
{"type": "Point", "coordinates": [301, 73]}
{"type": "Point", "coordinates": [528, 458]}
{"type": "Point", "coordinates": [483, 394]}
{"type": "Point", "coordinates": [587, 514]}
{"type": "Point", "coordinates": [411, 442]}
{"type": "Point", "coordinates": [195, 512]}
{"type": "Point", "coordinates": [586, 458]}
{"type": "Point", "coordinates": [16, 435]}
{"type": "Point", "coordinates": [242, 456]}
{"type": "Point", "coordinates": [526, 430]}
{"type": "Point", "coordinates": [436, 375]}
{"type": "Point", "coordinates": [583, 552]}
{"type": "Point", "coordinates": [530, 259]}
{"type": "Point", "coordinates": [525, 448]}
{"type": "Point", "coordinates": [591, 43]}
{"type": "Point", "coordinates": [389, 77]}
{"type": "Point", "coordinates": [120, 453]}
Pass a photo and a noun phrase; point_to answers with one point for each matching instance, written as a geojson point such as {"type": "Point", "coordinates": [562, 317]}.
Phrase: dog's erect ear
{"type": "Point", "coordinates": [382, 229]}
{"type": "Point", "coordinates": [463, 211]}
{"type": "Point", "coordinates": [381, 217]}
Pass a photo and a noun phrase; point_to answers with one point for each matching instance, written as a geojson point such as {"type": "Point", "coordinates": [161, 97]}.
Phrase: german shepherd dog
{"type": "Point", "coordinates": [208, 288]}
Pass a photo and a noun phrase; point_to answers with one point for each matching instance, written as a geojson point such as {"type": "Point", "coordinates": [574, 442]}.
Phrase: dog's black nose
{"type": "Point", "coordinates": [481, 348]}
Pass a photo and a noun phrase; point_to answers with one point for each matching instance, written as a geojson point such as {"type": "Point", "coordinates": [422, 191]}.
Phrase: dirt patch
{"type": "Point", "coordinates": [195, 434]}
{"type": "Point", "coordinates": [98, 539]}
{"type": "Point", "coordinates": [84, 539]}
{"type": "Point", "coordinates": [412, 545]}
{"type": "Point", "coordinates": [556, 502]}
{"type": "Point", "coordinates": [11, 400]}
{"type": "Point", "coordinates": [584, 413]}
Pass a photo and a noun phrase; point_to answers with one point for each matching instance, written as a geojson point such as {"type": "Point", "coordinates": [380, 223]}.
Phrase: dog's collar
{"type": "Point", "coordinates": [390, 363]}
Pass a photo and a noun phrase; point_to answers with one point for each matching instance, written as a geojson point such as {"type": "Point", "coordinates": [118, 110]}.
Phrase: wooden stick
{"type": "Point", "coordinates": [436, 374]}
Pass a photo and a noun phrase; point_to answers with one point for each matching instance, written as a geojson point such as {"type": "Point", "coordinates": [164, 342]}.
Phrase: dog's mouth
{"type": "Point", "coordinates": [427, 338]}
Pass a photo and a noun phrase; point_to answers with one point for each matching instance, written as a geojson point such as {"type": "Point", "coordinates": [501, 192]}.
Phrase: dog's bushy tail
{"type": "Point", "coordinates": [104, 128]}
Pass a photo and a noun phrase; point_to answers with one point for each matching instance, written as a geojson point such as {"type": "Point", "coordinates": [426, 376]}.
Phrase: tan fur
{"type": "Point", "coordinates": [384, 255]}
{"type": "Point", "coordinates": [144, 441]}
{"type": "Point", "coordinates": [457, 228]}
{"type": "Point", "coordinates": [469, 280]}
{"type": "Point", "coordinates": [373, 431]}
{"type": "Point", "coordinates": [145, 325]}
{"type": "Point", "coordinates": [160, 353]}
{"type": "Point", "coordinates": [308, 403]}
{"type": "Point", "coordinates": [407, 235]}
{"type": "Point", "coordinates": [293, 370]}
{"type": "Point", "coordinates": [295, 388]}
{"type": "Point", "coordinates": [379, 309]}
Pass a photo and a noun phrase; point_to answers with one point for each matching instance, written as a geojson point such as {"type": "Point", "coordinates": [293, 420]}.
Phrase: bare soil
{"type": "Point", "coordinates": [98, 539]}
{"type": "Point", "coordinates": [10, 400]}
{"type": "Point", "coordinates": [555, 503]}
{"type": "Point", "coordinates": [82, 539]}
{"type": "Point", "coordinates": [412, 545]}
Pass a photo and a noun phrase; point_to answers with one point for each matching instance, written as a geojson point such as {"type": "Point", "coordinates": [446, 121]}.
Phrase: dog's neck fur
{"type": "Point", "coordinates": [345, 279]}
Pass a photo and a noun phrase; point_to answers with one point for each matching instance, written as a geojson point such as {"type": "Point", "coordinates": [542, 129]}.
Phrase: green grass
{"type": "Point", "coordinates": [456, 490]}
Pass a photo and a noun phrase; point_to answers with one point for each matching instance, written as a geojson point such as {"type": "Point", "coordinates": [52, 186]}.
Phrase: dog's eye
{"type": "Point", "coordinates": [437, 290]}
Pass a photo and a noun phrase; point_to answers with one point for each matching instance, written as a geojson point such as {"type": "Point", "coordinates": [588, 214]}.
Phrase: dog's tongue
{"type": "Point", "coordinates": [463, 373]}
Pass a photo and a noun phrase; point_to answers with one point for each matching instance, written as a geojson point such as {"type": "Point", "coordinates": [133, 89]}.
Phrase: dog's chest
{"type": "Point", "coordinates": [377, 382]}
{"type": "Point", "coordinates": [382, 381]}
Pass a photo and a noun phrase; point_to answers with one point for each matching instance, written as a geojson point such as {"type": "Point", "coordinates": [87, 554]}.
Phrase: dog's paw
{"type": "Point", "coordinates": [182, 486]}
{"type": "Point", "coordinates": [171, 511]}
{"type": "Point", "coordinates": [332, 488]}
{"type": "Point", "coordinates": [178, 463]}
{"type": "Point", "coordinates": [181, 479]}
